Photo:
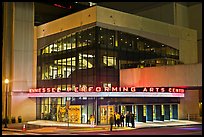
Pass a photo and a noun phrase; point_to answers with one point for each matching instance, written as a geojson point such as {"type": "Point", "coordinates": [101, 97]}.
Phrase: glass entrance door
{"type": "Point", "coordinates": [105, 112]}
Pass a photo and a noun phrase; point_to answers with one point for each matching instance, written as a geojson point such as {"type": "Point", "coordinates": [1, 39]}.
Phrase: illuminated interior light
{"type": "Point", "coordinates": [110, 38]}
{"type": "Point", "coordinates": [121, 39]}
{"type": "Point", "coordinates": [101, 36]}
{"type": "Point", "coordinates": [148, 46]}
{"type": "Point", "coordinates": [125, 41]}
{"type": "Point", "coordinates": [137, 38]}
{"type": "Point", "coordinates": [90, 34]}
{"type": "Point", "coordinates": [90, 4]}
{"type": "Point", "coordinates": [162, 45]}
{"type": "Point", "coordinates": [116, 43]}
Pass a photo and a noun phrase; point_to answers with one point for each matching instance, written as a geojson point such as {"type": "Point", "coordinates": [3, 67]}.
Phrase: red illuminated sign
{"type": "Point", "coordinates": [108, 89]}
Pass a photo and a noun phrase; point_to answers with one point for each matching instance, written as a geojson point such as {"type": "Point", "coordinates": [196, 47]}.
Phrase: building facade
{"type": "Point", "coordinates": [93, 57]}
{"type": "Point", "coordinates": [78, 62]}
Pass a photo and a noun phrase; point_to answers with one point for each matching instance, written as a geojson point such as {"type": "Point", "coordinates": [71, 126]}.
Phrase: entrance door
{"type": "Point", "coordinates": [166, 112]}
{"type": "Point", "coordinates": [175, 111]}
{"type": "Point", "coordinates": [140, 113]}
{"type": "Point", "coordinates": [158, 112]}
{"type": "Point", "coordinates": [105, 112]}
{"type": "Point", "coordinates": [149, 113]}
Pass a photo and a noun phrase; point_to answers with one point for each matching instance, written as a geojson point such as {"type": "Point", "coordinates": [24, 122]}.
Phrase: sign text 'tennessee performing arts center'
{"type": "Point", "coordinates": [108, 89]}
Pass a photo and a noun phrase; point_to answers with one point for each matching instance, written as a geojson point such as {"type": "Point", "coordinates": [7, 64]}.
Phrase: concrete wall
{"type": "Point", "coordinates": [189, 104]}
{"type": "Point", "coordinates": [164, 76]}
{"type": "Point", "coordinates": [23, 106]}
{"type": "Point", "coordinates": [159, 13]}
{"type": "Point", "coordinates": [181, 15]}
{"type": "Point", "coordinates": [195, 22]}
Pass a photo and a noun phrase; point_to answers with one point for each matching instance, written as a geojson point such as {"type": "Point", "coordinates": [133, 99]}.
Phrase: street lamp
{"type": "Point", "coordinates": [6, 82]}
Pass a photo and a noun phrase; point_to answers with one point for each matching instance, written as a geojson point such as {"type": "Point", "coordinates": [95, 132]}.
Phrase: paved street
{"type": "Point", "coordinates": [178, 130]}
{"type": "Point", "coordinates": [42, 127]}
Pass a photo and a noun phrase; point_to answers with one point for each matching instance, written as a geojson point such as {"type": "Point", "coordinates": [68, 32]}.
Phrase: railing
{"type": "Point", "coordinates": [193, 117]}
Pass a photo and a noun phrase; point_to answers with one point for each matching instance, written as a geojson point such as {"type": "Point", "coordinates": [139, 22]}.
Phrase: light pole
{"type": "Point", "coordinates": [6, 82]}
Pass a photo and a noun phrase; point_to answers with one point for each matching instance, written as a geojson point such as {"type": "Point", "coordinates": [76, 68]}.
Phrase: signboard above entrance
{"type": "Point", "coordinates": [112, 89]}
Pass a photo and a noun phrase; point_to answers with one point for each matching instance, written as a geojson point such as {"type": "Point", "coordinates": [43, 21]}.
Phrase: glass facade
{"type": "Point", "coordinates": [93, 57]}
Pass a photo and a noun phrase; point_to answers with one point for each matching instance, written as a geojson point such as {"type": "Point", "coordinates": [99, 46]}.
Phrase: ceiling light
{"type": "Point", "coordinates": [92, 3]}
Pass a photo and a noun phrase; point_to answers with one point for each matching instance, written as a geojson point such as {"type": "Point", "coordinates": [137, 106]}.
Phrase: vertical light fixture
{"type": "Point", "coordinates": [6, 82]}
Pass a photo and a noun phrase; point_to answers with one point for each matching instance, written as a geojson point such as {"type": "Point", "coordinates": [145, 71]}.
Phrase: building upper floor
{"type": "Point", "coordinates": [180, 38]}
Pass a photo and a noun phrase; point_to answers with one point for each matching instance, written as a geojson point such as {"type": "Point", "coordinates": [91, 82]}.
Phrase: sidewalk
{"type": "Point", "coordinates": [45, 126]}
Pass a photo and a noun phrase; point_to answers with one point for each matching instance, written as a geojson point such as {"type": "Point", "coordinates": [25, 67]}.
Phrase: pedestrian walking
{"type": "Point", "coordinates": [111, 122]}
{"type": "Point", "coordinates": [132, 119]}
{"type": "Point", "coordinates": [122, 117]}
{"type": "Point", "coordinates": [115, 118]}
{"type": "Point", "coordinates": [127, 119]}
{"type": "Point", "coordinates": [118, 119]}
{"type": "Point", "coordinates": [92, 120]}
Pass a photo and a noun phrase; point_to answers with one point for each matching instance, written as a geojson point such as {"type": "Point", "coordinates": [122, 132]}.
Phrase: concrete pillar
{"type": "Point", "coordinates": [18, 42]}
{"type": "Point", "coordinates": [7, 50]}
